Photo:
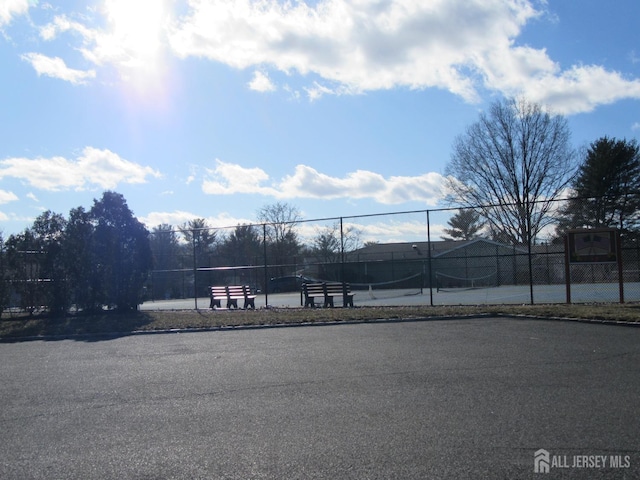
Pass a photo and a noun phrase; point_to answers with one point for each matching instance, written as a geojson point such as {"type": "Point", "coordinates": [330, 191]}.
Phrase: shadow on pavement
{"type": "Point", "coordinates": [86, 328]}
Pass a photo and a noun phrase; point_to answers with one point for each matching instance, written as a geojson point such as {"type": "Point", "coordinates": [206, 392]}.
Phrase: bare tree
{"type": "Point", "coordinates": [330, 241]}
{"type": "Point", "coordinates": [511, 165]}
{"type": "Point", "coordinates": [280, 220]}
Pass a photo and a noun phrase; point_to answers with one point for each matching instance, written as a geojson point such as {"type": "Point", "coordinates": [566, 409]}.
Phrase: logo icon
{"type": "Point", "coordinates": [541, 461]}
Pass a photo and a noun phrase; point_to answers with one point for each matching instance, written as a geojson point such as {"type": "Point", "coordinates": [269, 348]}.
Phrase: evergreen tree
{"type": "Point", "coordinates": [243, 246]}
{"type": "Point", "coordinates": [121, 252]}
{"type": "Point", "coordinates": [23, 267]}
{"type": "Point", "coordinates": [78, 250]}
{"type": "Point", "coordinates": [465, 225]}
{"type": "Point", "coordinates": [48, 230]}
{"type": "Point", "coordinates": [606, 189]}
{"type": "Point", "coordinates": [201, 239]}
{"type": "Point", "coordinates": [165, 247]}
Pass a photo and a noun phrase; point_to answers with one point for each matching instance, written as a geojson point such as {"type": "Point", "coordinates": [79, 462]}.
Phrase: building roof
{"type": "Point", "coordinates": [417, 250]}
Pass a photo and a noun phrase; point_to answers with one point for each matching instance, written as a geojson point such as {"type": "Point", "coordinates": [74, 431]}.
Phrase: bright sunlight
{"type": "Point", "coordinates": [135, 39]}
{"type": "Point", "coordinates": [137, 27]}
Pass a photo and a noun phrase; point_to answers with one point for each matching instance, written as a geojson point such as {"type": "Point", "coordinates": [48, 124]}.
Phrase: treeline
{"type": "Point", "coordinates": [222, 255]}
{"type": "Point", "coordinates": [104, 258]}
{"type": "Point", "coordinates": [603, 192]}
{"type": "Point", "coordinates": [92, 260]}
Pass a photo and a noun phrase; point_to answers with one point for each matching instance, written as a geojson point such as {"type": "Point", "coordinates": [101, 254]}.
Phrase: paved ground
{"type": "Point", "coordinates": [433, 399]}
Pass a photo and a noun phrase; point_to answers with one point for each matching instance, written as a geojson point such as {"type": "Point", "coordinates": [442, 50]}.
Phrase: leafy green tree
{"type": "Point", "coordinates": [243, 246]}
{"type": "Point", "coordinates": [48, 232]}
{"type": "Point", "coordinates": [78, 252]}
{"type": "Point", "coordinates": [121, 252]}
{"type": "Point", "coordinates": [166, 249]}
{"type": "Point", "coordinates": [511, 165]}
{"type": "Point", "coordinates": [201, 239]}
{"type": "Point", "coordinates": [465, 225]}
{"type": "Point", "coordinates": [23, 267]}
{"type": "Point", "coordinates": [606, 188]}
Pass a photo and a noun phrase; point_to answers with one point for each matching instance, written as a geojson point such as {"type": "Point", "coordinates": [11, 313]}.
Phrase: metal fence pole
{"type": "Point", "coordinates": [195, 269]}
{"type": "Point", "coordinates": [429, 259]}
{"type": "Point", "coordinates": [341, 252]}
{"type": "Point", "coordinates": [266, 271]}
{"type": "Point", "coordinates": [620, 269]}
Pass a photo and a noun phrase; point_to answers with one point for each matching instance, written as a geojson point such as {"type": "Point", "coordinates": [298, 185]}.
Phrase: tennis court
{"type": "Point", "coordinates": [507, 294]}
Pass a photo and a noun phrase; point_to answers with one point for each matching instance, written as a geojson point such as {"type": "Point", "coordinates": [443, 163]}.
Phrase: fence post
{"type": "Point", "coordinates": [567, 269]}
{"type": "Point", "coordinates": [429, 259]}
{"type": "Point", "coordinates": [620, 270]}
{"type": "Point", "coordinates": [341, 252]}
{"type": "Point", "coordinates": [195, 269]}
{"type": "Point", "coordinates": [529, 254]}
{"type": "Point", "coordinates": [266, 268]}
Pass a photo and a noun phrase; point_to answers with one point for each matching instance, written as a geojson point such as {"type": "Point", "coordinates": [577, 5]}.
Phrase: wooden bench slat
{"type": "Point", "coordinates": [327, 290]}
{"type": "Point", "coordinates": [232, 293]}
{"type": "Point", "coordinates": [217, 294]}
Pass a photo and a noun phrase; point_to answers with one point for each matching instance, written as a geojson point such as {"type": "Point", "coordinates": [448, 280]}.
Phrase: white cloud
{"type": "Point", "coordinates": [228, 178]}
{"type": "Point", "coordinates": [6, 197]}
{"type": "Point", "coordinates": [56, 68]}
{"type": "Point", "coordinates": [578, 89]}
{"type": "Point", "coordinates": [133, 34]}
{"type": "Point", "coordinates": [12, 8]}
{"type": "Point", "coordinates": [130, 36]}
{"type": "Point", "coordinates": [341, 47]}
{"type": "Point", "coordinates": [317, 91]}
{"type": "Point", "coordinates": [180, 217]}
{"type": "Point", "coordinates": [261, 82]}
{"type": "Point", "coordinates": [388, 229]}
{"type": "Point", "coordinates": [95, 167]}
{"type": "Point", "coordinates": [454, 45]}
{"type": "Point", "coordinates": [306, 182]}
{"type": "Point", "coordinates": [363, 46]}
{"type": "Point", "coordinates": [62, 24]}
{"type": "Point", "coordinates": [635, 127]}
{"type": "Point", "coordinates": [175, 218]}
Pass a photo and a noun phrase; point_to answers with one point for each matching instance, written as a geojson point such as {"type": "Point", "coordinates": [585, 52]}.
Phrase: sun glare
{"type": "Point", "coordinates": [137, 27]}
{"type": "Point", "coordinates": [134, 40]}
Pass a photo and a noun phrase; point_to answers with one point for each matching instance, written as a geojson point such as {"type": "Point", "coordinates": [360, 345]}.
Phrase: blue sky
{"type": "Point", "coordinates": [213, 109]}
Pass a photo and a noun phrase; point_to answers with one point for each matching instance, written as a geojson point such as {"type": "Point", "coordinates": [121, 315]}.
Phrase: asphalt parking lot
{"type": "Point", "coordinates": [473, 398]}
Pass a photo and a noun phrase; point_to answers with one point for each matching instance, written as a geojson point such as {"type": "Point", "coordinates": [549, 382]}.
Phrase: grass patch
{"type": "Point", "coordinates": [21, 326]}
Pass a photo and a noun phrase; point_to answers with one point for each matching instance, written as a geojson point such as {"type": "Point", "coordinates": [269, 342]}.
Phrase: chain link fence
{"type": "Point", "coordinates": [424, 257]}
{"type": "Point", "coordinates": [428, 257]}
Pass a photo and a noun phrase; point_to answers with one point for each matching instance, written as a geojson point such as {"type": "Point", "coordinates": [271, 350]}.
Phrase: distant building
{"type": "Point", "coordinates": [476, 262]}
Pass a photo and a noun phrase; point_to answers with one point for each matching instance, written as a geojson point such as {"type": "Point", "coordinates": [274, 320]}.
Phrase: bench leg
{"type": "Point", "coordinates": [309, 302]}
{"type": "Point", "coordinates": [232, 302]}
{"type": "Point", "coordinates": [348, 301]}
{"type": "Point", "coordinates": [249, 302]}
{"type": "Point", "coordinates": [215, 303]}
{"type": "Point", "coordinates": [328, 301]}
